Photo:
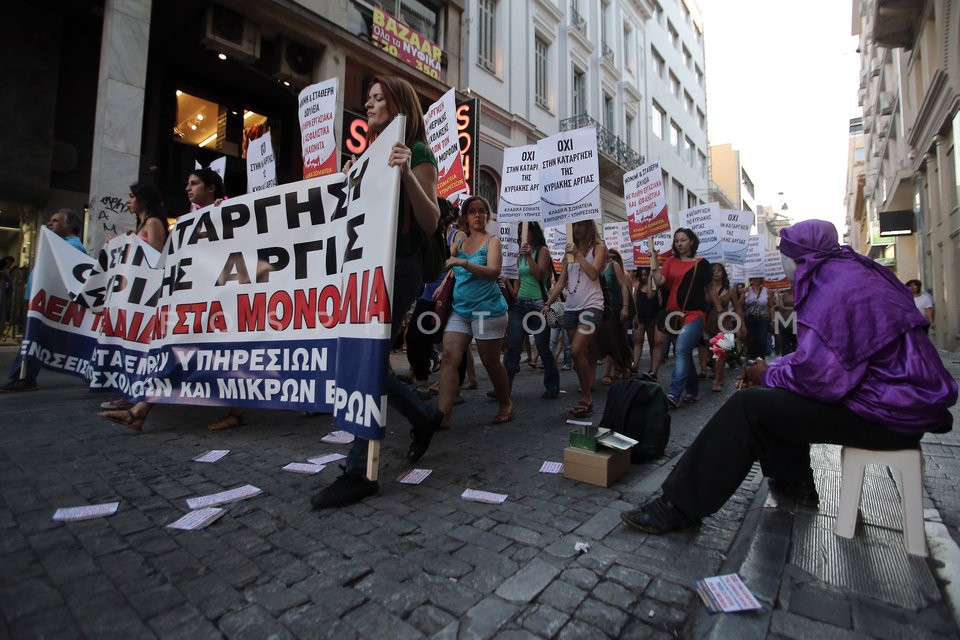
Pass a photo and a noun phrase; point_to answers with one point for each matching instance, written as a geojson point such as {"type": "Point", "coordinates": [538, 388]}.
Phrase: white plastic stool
{"type": "Point", "coordinates": [909, 464]}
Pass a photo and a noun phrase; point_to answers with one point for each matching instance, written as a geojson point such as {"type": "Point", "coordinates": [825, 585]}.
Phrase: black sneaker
{"type": "Point", "coordinates": [422, 435]}
{"type": "Point", "coordinates": [549, 394]}
{"type": "Point", "coordinates": [802, 492]}
{"type": "Point", "coordinates": [659, 516]}
{"type": "Point", "coordinates": [18, 385]}
{"type": "Point", "coordinates": [348, 489]}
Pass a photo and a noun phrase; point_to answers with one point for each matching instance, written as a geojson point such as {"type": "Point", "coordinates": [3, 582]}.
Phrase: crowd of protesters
{"type": "Point", "coordinates": [581, 312]}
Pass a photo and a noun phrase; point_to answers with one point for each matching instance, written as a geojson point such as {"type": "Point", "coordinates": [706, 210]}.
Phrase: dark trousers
{"type": "Point", "coordinates": [774, 426]}
{"type": "Point", "coordinates": [422, 331]}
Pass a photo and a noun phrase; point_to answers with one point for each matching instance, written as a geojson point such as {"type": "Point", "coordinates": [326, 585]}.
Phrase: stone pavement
{"type": "Point", "coordinates": [413, 561]}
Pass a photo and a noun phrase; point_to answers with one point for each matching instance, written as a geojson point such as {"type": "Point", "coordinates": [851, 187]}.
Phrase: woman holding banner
{"type": "Point", "coordinates": [479, 311]}
{"type": "Point", "coordinates": [204, 188]}
{"type": "Point", "coordinates": [418, 214]}
{"type": "Point", "coordinates": [580, 280]}
{"type": "Point", "coordinates": [535, 268]}
{"type": "Point", "coordinates": [688, 278]}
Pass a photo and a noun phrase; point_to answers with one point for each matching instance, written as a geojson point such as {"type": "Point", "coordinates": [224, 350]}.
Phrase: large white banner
{"type": "Point", "coordinates": [60, 333]}
{"type": "Point", "coordinates": [735, 230]}
{"type": "Point", "coordinates": [317, 105]}
{"type": "Point", "coordinates": [253, 300]}
{"type": "Point", "coordinates": [519, 184]}
{"type": "Point", "coordinates": [705, 222]}
{"type": "Point", "coordinates": [261, 164]}
{"type": "Point", "coordinates": [569, 177]}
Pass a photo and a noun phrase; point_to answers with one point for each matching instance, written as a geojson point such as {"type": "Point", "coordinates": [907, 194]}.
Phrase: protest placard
{"type": "Point", "coordinates": [704, 220]}
{"type": "Point", "coordinates": [261, 164]}
{"type": "Point", "coordinates": [662, 244]}
{"type": "Point", "coordinates": [218, 166]}
{"type": "Point", "coordinates": [519, 185]}
{"type": "Point", "coordinates": [774, 277]}
{"type": "Point", "coordinates": [556, 238]}
{"type": "Point", "coordinates": [753, 265]}
{"type": "Point", "coordinates": [440, 121]}
{"type": "Point", "coordinates": [569, 186]}
{"type": "Point", "coordinates": [735, 230]}
{"type": "Point", "coordinates": [317, 105]}
{"type": "Point", "coordinates": [509, 249]}
{"type": "Point", "coordinates": [60, 333]}
{"type": "Point", "coordinates": [646, 199]}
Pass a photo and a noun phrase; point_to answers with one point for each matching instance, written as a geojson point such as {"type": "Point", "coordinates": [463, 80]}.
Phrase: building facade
{"type": "Point", "coordinates": [141, 90]}
{"type": "Point", "coordinates": [910, 93]}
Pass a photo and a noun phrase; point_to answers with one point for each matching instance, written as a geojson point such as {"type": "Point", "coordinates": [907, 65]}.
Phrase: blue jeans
{"type": "Point", "coordinates": [555, 333]}
{"type": "Point", "coordinates": [515, 334]}
{"type": "Point", "coordinates": [684, 372]}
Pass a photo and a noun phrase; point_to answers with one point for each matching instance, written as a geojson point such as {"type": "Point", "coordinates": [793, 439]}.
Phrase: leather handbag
{"type": "Point", "coordinates": [443, 297]}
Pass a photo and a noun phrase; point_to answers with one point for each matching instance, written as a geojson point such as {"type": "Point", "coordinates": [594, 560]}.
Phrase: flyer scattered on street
{"type": "Point", "coordinates": [232, 495]}
{"type": "Point", "coordinates": [196, 519]}
{"type": "Point", "coordinates": [414, 476]}
{"type": "Point", "coordinates": [483, 496]}
{"type": "Point", "coordinates": [88, 512]}
{"type": "Point", "coordinates": [551, 467]}
{"type": "Point", "coordinates": [212, 456]}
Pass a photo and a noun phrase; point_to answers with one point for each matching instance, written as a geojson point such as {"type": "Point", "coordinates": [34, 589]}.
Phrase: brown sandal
{"type": "Point", "coordinates": [229, 421]}
{"type": "Point", "coordinates": [581, 409]}
{"type": "Point", "coordinates": [126, 417]}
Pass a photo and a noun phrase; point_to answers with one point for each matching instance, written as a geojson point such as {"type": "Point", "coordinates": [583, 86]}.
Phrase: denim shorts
{"type": "Point", "coordinates": [485, 328]}
{"type": "Point", "coordinates": [573, 319]}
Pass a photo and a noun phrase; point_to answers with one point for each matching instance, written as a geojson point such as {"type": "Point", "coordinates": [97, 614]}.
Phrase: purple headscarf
{"type": "Point", "coordinates": [855, 305]}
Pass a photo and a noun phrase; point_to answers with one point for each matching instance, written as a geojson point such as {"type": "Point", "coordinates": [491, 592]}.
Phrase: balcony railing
{"type": "Point", "coordinates": [607, 141]}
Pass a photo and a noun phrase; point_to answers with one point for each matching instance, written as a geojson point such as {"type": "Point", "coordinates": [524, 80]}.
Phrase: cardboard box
{"type": "Point", "coordinates": [601, 468]}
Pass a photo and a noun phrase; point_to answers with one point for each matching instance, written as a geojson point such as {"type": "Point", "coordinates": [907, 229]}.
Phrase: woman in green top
{"type": "Point", "coordinates": [418, 214]}
{"type": "Point", "coordinates": [535, 269]}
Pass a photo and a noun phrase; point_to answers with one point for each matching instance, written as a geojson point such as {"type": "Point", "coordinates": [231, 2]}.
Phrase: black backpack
{"type": "Point", "coordinates": [638, 409]}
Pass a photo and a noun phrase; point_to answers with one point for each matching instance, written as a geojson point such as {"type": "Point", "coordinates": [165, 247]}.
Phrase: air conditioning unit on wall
{"type": "Point", "coordinates": [230, 33]}
{"type": "Point", "coordinates": [294, 62]}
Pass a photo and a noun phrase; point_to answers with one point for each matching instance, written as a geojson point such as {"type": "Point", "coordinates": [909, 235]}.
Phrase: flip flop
{"type": "Point", "coordinates": [128, 419]}
{"type": "Point", "coordinates": [113, 405]}
{"type": "Point", "coordinates": [229, 421]}
{"type": "Point", "coordinates": [503, 418]}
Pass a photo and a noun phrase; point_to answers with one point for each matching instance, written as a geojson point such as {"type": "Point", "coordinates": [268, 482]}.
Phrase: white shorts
{"type": "Point", "coordinates": [485, 328]}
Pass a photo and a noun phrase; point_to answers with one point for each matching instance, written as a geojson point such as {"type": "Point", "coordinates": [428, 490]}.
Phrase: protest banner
{"type": "Point", "coordinates": [753, 265]}
{"type": "Point", "coordinates": [317, 105]}
{"type": "Point", "coordinates": [626, 245]}
{"type": "Point", "coordinates": [662, 244]}
{"type": "Point", "coordinates": [509, 249]}
{"type": "Point", "coordinates": [646, 200]}
{"type": "Point", "coordinates": [704, 220]}
{"type": "Point", "coordinates": [261, 293]}
{"type": "Point", "coordinates": [611, 235]}
{"type": "Point", "coordinates": [520, 184]}
{"type": "Point", "coordinates": [261, 164]}
{"type": "Point", "coordinates": [774, 277]}
{"type": "Point", "coordinates": [441, 127]}
{"type": "Point", "coordinates": [735, 230]}
{"type": "Point", "coordinates": [121, 289]}
{"type": "Point", "coordinates": [569, 187]}
{"type": "Point", "coordinates": [60, 334]}
{"type": "Point", "coordinates": [252, 301]}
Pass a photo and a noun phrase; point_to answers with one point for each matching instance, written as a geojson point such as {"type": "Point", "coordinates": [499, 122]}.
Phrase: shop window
{"type": "Point", "coordinates": [203, 123]}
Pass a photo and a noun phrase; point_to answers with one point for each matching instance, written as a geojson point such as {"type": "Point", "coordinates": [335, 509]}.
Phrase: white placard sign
{"type": "Point", "coordinates": [569, 177]}
{"type": "Point", "coordinates": [735, 230]}
{"type": "Point", "coordinates": [317, 105]}
{"type": "Point", "coordinates": [705, 222]}
{"type": "Point", "coordinates": [509, 250]}
{"type": "Point", "coordinates": [519, 184]}
{"type": "Point", "coordinates": [261, 164]}
{"type": "Point", "coordinates": [753, 266]}
{"type": "Point", "coordinates": [440, 122]}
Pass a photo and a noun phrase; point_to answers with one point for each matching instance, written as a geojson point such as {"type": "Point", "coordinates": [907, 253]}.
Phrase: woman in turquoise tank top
{"type": "Point", "coordinates": [479, 311]}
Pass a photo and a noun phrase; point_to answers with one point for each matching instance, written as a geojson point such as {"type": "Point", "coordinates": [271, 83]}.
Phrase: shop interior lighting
{"type": "Point", "coordinates": [208, 141]}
